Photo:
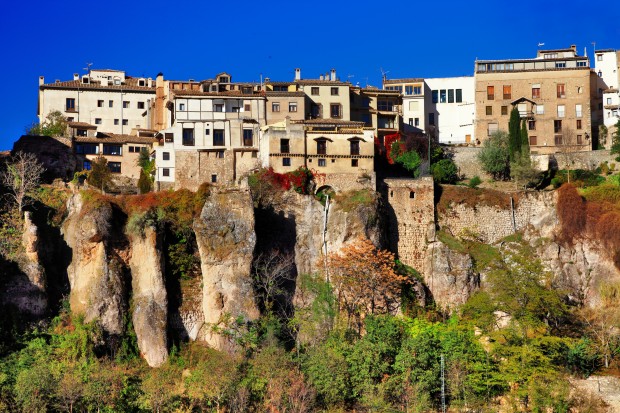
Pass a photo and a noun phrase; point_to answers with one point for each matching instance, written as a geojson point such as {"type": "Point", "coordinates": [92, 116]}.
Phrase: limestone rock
{"type": "Point", "coordinates": [95, 272]}
{"type": "Point", "coordinates": [449, 275]}
{"type": "Point", "coordinates": [150, 302]}
{"type": "Point", "coordinates": [226, 240]}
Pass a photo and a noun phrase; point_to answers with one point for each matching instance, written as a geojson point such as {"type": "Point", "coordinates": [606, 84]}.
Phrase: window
{"type": "Point", "coordinates": [81, 132]}
{"type": "Point", "coordinates": [314, 91]}
{"type": "Point", "coordinates": [322, 162]}
{"type": "Point", "coordinates": [557, 126]}
{"type": "Point", "coordinates": [411, 121]}
{"type": "Point", "coordinates": [213, 178]}
{"type": "Point", "coordinates": [561, 90]}
{"type": "Point", "coordinates": [334, 110]}
{"type": "Point", "coordinates": [100, 103]}
{"type": "Point", "coordinates": [334, 91]}
{"type": "Point", "coordinates": [110, 103]}
{"type": "Point", "coordinates": [275, 107]}
{"type": "Point", "coordinates": [416, 122]}
{"type": "Point", "coordinates": [116, 150]}
{"type": "Point", "coordinates": [431, 118]}
{"type": "Point", "coordinates": [504, 110]}
{"type": "Point", "coordinates": [165, 156]}
{"type": "Point", "coordinates": [442, 96]}
{"type": "Point", "coordinates": [435, 95]}
{"type": "Point", "coordinates": [114, 167]}
{"type": "Point", "coordinates": [87, 148]}
{"type": "Point", "coordinates": [248, 137]}
{"type": "Point", "coordinates": [97, 121]}
{"type": "Point", "coordinates": [285, 146]}
{"type": "Point", "coordinates": [557, 139]}
{"type": "Point", "coordinates": [417, 90]}
{"type": "Point", "coordinates": [125, 104]}
{"type": "Point", "coordinates": [354, 163]}
{"type": "Point", "coordinates": [125, 122]}
{"type": "Point", "coordinates": [218, 107]}
{"type": "Point", "coordinates": [459, 95]}
{"type": "Point", "coordinates": [235, 109]}
{"type": "Point", "coordinates": [386, 105]}
{"type": "Point", "coordinates": [116, 121]}
{"type": "Point", "coordinates": [540, 109]}
{"type": "Point", "coordinates": [490, 92]}
{"type": "Point", "coordinates": [317, 110]}
{"type": "Point", "coordinates": [70, 104]}
{"type": "Point", "coordinates": [492, 128]}
{"type": "Point", "coordinates": [578, 123]}
{"type": "Point", "coordinates": [582, 64]}
{"type": "Point", "coordinates": [533, 141]}
{"type": "Point", "coordinates": [165, 172]}
{"type": "Point", "coordinates": [292, 107]}
{"type": "Point", "coordinates": [507, 92]}
{"type": "Point", "coordinates": [219, 154]}
{"type": "Point", "coordinates": [355, 147]}
{"type": "Point", "coordinates": [579, 140]}
{"type": "Point", "coordinates": [578, 111]}
{"type": "Point", "coordinates": [70, 119]}
{"type": "Point", "coordinates": [450, 95]}
{"type": "Point", "coordinates": [286, 161]}
{"type": "Point", "coordinates": [247, 107]}
{"type": "Point", "coordinates": [536, 92]}
{"type": "Point", "coordinates": [188, 137]}
{"type": "Point", "coordinates": [609, 101]}
{"type": "Point", "coordinates": [321, 147]}
{"type": "Point", "coordinates": [489, 110]}
{"type": "Point", "coordinates": [218, 137]}
{"type": "Point", "coordinates": [531, 125]}
{"type": "Point", "coordinates": [561, 111]}
{"type": "Point", "coordinates": [169, 137]}
{"type": "Point", "coordinates": [140, 105]}
{"type": "Point", "coordinates": [181, 106]}
{"type": "Point", "coordinates": [408, 90]}
{"type": "Point", "coordinates": [560, 65]}
{"type": "Point", "coordinates": [87, 166]}
{"type": "Point", "coordinates": [599, 57]}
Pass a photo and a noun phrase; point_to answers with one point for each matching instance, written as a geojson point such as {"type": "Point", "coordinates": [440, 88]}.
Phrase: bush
{"type": "Point", "coordinates": [571, 209]}
{"type": "Point", "coordinates": [410, 160]}
{"type": "Point", "coordinates": [144, 183]}
{"type": "Point", "coordinates": [495, 156]}
{"type": "Point", "coordinates": [445, 171]}
{"type": "Point", "coordinates": [100, 175]}
{"type": "Point", "coordinates": [474, 182]}
{"type": "Point", "coordinates": [580, 178]}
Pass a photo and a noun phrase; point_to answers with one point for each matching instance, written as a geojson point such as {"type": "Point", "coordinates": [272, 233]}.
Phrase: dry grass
{"type": "Point", "coordinates": [473, 197]}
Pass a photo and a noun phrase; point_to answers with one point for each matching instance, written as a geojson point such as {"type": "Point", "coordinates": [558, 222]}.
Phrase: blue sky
{"type": "Point", "coordinates": [246, 38]}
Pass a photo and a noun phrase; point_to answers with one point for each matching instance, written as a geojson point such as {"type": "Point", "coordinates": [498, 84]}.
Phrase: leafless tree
{"type": "Point", "coordinates": [568, 145]}
{"type": "Point", "coordinates": [22, 176]}
{"type": "Point", "coordinates": [272, 271]}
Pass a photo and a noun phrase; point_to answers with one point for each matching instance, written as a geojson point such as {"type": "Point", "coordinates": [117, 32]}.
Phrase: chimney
{"type": "Point", "coordinates": [574, 47]}
{"type": "Point", "coordinates": [298, 74]}
{"type": "Point", "coordinates": [267, 80]}
{"type": "Point", "coordinates": [149, 82]}
{"type": "Point", "coordinates": [76, 76]}
{"type": "Point", "coordinates": [41, 80]}
{"type": "Point", "coordinates": [159, 80]}
{"type": "Point", "coordinates": [321, 77]}
{"type": "Point", "coordinates": [332, 75]}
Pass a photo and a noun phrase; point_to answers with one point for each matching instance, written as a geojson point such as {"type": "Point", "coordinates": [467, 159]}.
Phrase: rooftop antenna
{"type": "Point", "coordinates": [366, 81]}
{"type": "Point", "coordinates": [384, 74]}
{"type": "Point", "coordinates": [87, 68]}
{"type": "Point", "coordinates": [540, 44]}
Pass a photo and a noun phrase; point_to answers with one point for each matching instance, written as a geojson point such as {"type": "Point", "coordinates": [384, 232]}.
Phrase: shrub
{"type": "Point", "coordinates": [100, 175]}
{"type": "Point", "coordinates": [614, 179]}
{"type": "Point", "coordinates": [445, 171]}
{"type": "Point", "coordinates": [474, 182]}
{"type": "Point", "coordinates": [571, 212]}
{"type": "Point", "coordinates": [144, 183]}
{"type": "Point", "coordinates": [578, 177]}
{"type": "Point", "coordinates": [409, 159]}
{"type": "Point", "coordinates": [604, 168]}
{"type": "Point", "coordinates": [495, 156]}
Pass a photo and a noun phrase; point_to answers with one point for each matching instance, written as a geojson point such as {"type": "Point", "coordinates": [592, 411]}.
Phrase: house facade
{"type": "Point", "coordinates": [607, 68]}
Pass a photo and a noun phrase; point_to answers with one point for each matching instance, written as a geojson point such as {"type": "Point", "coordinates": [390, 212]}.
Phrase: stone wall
{"type": "Point", "coordinates": [466, 159]}
{"type": "Point", "coordinates": [585, 160]}
{"type": "Point", "coordinates": [491, 223]}
{"type": "Point", "coordinates": [411, 214]}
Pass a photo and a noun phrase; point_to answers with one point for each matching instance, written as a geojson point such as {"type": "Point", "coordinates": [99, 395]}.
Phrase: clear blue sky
{"type": "Point", "coordinates": [248, 38]}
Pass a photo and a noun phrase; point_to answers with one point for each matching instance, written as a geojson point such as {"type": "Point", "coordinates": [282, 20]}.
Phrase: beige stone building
{"type": "Point", "coordinates": [283, 103]}
{"type": "Point", "coordinates": [108, 99]}
{"type": "Point", "coordinates": [378, 109]}
{"type": "Point", "coordinates": [555, 93]}
{"type": "Point", "coordinates": [413, 110]}
{"type": "Point", "coordinates": [342, 152]}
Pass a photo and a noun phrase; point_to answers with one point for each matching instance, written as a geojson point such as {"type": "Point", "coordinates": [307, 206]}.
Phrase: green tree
{"type": "Point", "coordinates": [55, 124]}
{"type": "Point", "coordinates": [495, 156]}
{"type": "Point", "coordinates": [615, 139]}
{"type": "Point", "coordinates": [525, 141]}
{"type": "Point", "coordinates": [523, 171]}
{"type": "Point", "coordinates": [410, 160]}
{"type": "Point", "coordinates": [445, 171]}
{"type": "Point", "coordinates": [100, 175]}
{"type": "Point", "coordinates": [514, 133]}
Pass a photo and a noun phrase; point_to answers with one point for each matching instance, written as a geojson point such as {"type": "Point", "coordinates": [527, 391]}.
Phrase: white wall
{"type": "Point", "coordinates": [454, 121]}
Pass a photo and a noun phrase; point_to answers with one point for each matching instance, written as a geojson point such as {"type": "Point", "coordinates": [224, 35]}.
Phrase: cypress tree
{"type": "Point", "coordinates": [514, 134]}
{"type": "Point", "coordinates": [525, 142]}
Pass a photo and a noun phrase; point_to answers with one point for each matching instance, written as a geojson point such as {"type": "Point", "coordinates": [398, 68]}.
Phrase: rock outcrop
{"type": "Point", "coordinates": [226, 240]}
{"type": "Point", "coordinates": [149, 297]}
{"type": "Point", "coordinates": [96, 273]}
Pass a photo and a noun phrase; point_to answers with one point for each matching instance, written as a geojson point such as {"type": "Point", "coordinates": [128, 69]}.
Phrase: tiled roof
{"type": "Point", "coordinates": [319, 82]}
{"type": "Point", "coordinates": [403, 80]}
{"type": "Point", "coordinates": [114, 138]}
{"type": "Point", "coordinates": [83, 125]}
{"type": "Point", "coordinates": [381, 91]}
{"type": "Point", "coordinates": [130, 84]}
{"type": "Point", "coordinates": [326, 122]}
{"type": "Point", "coordinates": [228, 93]}
{"type": "Point", "coordinates": [279, 83]}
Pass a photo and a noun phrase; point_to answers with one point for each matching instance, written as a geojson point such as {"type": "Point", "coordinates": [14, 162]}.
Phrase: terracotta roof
{"type": "Point", "coordinates": [228, 93]}
{"type": "Point", "coordinates": [537, 59]}
{"type": "Point", "coordinates": [130, 84]}
{"type": "Point", "coordinates": [381, 91]}
{"type": "Point", "coordinates": [403, 80]}
{"type": "Point", "coordinates": [319, 82]}
{"type": "Point", "coordinates": [114, 138]}
{"type": "Point", "coordinates": [284, 94]}
{"type": "Point", "coordinates": [325, 122]}
{"type": "Point", "coordinates": [610, 90]}
{"type": "Point", "coordinates": [604, 50]}
{"type": "Point", "coordinates": [83, 125]}
{"type": "Point", "coordinates": [279, 83]}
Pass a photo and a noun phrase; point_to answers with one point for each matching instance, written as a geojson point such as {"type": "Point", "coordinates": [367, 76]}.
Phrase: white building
{"type": "Point", "coordinates": [413, 109]}
{"type": "Point", "coordinates": [450, 108]}
{"type": "Point", "coordinates": [108, 99]}
{"type": "Point", "coordinates": [607, 67]}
